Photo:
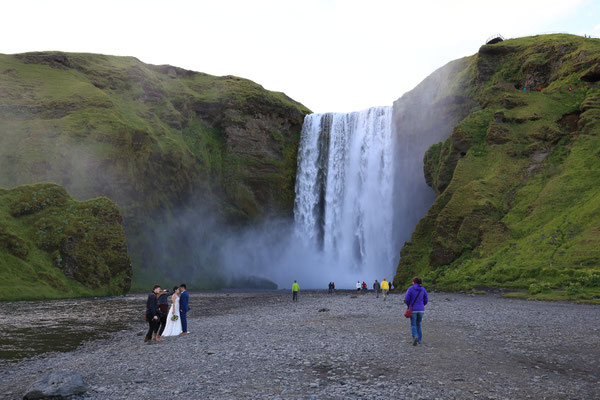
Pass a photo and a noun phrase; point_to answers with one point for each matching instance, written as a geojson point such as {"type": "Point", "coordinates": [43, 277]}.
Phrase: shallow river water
{"type": "Point", "coordinates": [28, 328]}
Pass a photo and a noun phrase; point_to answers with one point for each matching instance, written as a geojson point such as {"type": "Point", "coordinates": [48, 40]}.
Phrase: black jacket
{"type": "Point", "coordinates": [164, 298]}
{"type": "Point", "coordinates": [151, 306]}
{"type": "Point", "coordinates": [163, 303]}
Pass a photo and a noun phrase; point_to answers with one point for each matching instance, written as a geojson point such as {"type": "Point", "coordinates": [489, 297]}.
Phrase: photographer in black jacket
{"type": "Point", "coordinates": [152, 315]}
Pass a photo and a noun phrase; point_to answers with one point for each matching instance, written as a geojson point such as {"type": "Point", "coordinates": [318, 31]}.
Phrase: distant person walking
{"type": "Point", "coordinates": [385, 287]}
{"type": "Point", "coordinates": [152, 315]}
{"type": "Point", "coordinates": [358, 286]}
{"type": "Point", "coordinates": [330, 288]}
{"type": "Point", "coordinates": [184, 307]}
{"type": "Point", "coordinates": [295, 290]}
{"type": "Point", "coordinates": [376, 288]}
{"type": "Point", "coordinates": [416, 297]}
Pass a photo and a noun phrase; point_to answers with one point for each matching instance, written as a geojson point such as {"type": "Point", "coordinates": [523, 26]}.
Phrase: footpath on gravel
{"type": "Point", "coordinates": [342, 346]}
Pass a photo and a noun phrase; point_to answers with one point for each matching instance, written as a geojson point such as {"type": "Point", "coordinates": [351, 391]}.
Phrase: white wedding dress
{"type": "Point", "coordinates": [173, 328]}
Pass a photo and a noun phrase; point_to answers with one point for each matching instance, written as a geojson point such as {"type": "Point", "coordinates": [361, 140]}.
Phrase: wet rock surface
{"type": "Point", "coordinates": [261, 345]}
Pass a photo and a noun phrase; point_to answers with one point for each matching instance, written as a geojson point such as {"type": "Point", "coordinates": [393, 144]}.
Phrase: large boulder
{"type": "Point", "coordinates": [57, 385]}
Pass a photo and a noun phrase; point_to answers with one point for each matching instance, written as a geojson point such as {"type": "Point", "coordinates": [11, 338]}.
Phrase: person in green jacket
{"type": "Point", "coordinates": [295, 290]}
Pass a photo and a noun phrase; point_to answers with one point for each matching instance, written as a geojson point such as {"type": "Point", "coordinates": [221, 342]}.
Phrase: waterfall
{"type": "Point", "coordinates": [344, 192]}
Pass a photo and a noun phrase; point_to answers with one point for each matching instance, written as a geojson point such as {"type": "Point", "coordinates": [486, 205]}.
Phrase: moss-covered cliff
{"type": "Point", "coordinates": [160, 141]}
{"type": "Point", "coordinates": [52, 246]}
{"type": "Point", "coordinates": [517, 181]}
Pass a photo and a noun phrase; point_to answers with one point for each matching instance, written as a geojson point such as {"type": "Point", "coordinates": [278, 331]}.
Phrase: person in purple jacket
{"type": "Point", "coordinates": [416, 295]}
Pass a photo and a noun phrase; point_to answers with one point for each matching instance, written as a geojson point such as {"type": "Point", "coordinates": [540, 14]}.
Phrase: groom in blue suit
{"type": "Point", "coordinates": [184, 307]}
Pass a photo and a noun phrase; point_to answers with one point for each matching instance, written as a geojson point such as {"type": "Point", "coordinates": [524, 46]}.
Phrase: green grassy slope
{"type": "Point", "coordinates": [52, 246]}
{"type": "Point", "coordinates": [518, 189]}
{"type": "Point", "coordinates": [158, 140]}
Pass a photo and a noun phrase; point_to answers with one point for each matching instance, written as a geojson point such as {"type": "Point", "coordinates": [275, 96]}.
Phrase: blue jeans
{"type": "Point", "coordinates": [415, 324]}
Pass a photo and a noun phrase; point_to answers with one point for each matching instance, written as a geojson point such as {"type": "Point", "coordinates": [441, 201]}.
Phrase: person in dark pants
{"type": "Point", "coordinates": [184, 300]}
{"type": "Point", "coordinates": [163, 311]}
{"type": "Point", "coordinates": [152, 315]}
{"type": "Point", "coordinates": [376, 288]}
{"type": "Point", "coordinates": [295, 290]}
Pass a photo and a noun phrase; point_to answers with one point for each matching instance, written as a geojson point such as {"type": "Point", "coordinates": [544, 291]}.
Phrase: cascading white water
{"type": "Point", "coordinates": [344, 190]}
{"type": "Point", "coordinates": [360, 192]}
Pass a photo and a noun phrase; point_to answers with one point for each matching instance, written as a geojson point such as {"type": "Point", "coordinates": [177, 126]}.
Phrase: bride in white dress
{"type": "Point", "coordinates": [173, 327]}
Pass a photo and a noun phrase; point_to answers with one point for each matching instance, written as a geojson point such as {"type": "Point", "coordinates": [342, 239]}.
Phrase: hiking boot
{"type": "Point", "coordinates": [415, 341]}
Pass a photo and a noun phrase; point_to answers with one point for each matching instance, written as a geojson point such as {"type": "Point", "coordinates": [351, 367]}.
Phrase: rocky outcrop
{"type": "Point", "coordinates": [54, 246]}
{"type": "Point", "coordinates": [422, 118]}
{"type": "Point", "coordinates": [507, 212]}
{"type": "Point", "coordinates": [164, 143]}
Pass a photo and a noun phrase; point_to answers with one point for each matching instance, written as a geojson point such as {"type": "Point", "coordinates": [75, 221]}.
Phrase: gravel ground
{"type": "Point", "coordinates": [261, 345]}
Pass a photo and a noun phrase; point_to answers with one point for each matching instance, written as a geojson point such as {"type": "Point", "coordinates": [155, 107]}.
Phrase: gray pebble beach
{"type": "Point", "coordinates": [342, 346]}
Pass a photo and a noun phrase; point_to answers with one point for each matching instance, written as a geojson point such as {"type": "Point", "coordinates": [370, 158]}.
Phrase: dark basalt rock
{"type": "Point", "coordinates": [592, 75]}
{"type": "Point", "coordinates": [57, 385]}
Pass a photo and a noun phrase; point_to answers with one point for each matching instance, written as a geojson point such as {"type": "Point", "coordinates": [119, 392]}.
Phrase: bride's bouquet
{"type": "Point", "coordinates": [174, 318]}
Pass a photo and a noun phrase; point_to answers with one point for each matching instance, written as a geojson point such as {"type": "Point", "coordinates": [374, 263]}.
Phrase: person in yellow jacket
{"type": "Point", "coordinates": [295, 290]}
{"type": "Point", "coordinates": [385, 287]}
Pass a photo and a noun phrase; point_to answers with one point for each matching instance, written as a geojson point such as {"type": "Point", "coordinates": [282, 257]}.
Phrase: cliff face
{"type": "Point", "coordinates": [517, 203]}
{"type": "Point", "coordinates": [158, 140]}
{"type": "Point", "coordinates": [422, 117]}
{"type": "Point", "coordinates": [53, 246]}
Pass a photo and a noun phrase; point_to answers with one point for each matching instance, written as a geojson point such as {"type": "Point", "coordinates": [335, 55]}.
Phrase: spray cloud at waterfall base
{"type": "Point", "coordinates": [343, 216]}
{"type": "Point", "coordinates": [360, 191]}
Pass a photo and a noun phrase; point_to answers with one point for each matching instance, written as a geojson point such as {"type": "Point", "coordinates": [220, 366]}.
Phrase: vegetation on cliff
{"type": "Point", "coordinates": [518, 200]}
{"type": "Point", "coordinates": [52, 246]}
{"type": "Point", "coordinates": [168, 145]}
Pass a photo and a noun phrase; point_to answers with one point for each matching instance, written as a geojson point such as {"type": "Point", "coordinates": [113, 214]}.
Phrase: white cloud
{"type": "Point", "coordinates": [330, 55]}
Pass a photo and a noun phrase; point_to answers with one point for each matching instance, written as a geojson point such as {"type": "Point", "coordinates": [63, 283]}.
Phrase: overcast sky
{"type": "Point", "coordinates": [328, 55]}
